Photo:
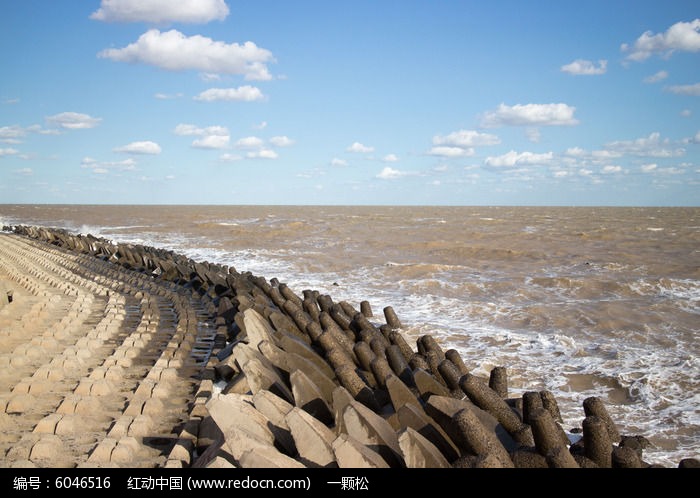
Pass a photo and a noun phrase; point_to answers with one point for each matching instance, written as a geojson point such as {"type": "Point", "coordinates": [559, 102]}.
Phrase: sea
{"type": "Point", "coordinates": [580, 301]}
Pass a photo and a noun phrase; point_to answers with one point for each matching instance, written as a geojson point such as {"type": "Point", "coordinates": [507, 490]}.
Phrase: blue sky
{"type": "Point", "coordinates": [363, 102]}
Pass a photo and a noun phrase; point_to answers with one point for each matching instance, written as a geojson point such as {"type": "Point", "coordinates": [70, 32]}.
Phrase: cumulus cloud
{"type": "Point", "coordinates": [651, 146]}
{"type": "Point", "coordinates": [12, 134]}
{"type": "Point", "coordinates": [585, 67]}
{"type": "Point", "coordinates": [211, 142]}
{"type": "Point", "coordinates": [648, 168]}
{"type": "Point", "coordinates": [281, 141]}
{"type": "Point", "coordinates": [390, 158]}
{"type": "Point", "coordinates": [514, 159]}
{"type": "Point", "coordinates": [104, 167]}
{"type": "Point", "coordinates": [262, 154]}
{"type": "Point", "coordinates": [391, 174]}
{"type": "Point", "coordinates": [358, 147]}
{"type": "Point", "coordinates": [174, 51]}
{"type": "Point", "coordinates": [338, 162]}
{"type": "Point", "coordinates": [166, 96]}
{"type": "Point", "coordinates": [161, 11]}
{"type": "Point", "coordinates": [692, 140]}
{"type": "Point", "coordinates": [656, 77]}
{"type": "Point", "coordinates": [145, 147]}
{"type": "Point", "coordinates": [211, 137]}
{"type": "Point", "coordinates": [249, 143]}
{"type": "Point", "coordinates": [229, 158]}
{"type": "Point", "coordinates": [466, 138]}
{"type": "Point", "coordinates": [9, 151]}
{"type": "Point", "coordinates": [684, 36]}
{"type": "Point", "coordinates": [73, 121]}
{"type": "Point", "coordinates": [693, 90]}
{"type": "Point", "coordinates": [611, 169]}
{"type": "Point", "coordinates": [244, 93]}
{"type": "Point", "coordinates": [530, 115]}
{"type": "Point", "coordinates": [15, 133]}
{"type": "Point", "coordinates": [256, 147]}
{"type": "Point", "coordinates": [575, 152]}
{"type": "Point", "coordinates": [189, 129]}
{"type": "Point", "coordinates": [443, 151]}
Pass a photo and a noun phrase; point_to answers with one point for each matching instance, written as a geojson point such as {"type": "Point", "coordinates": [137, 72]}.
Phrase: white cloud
{"type": "Point", "coordinates": [212, 137]}
{"type": "Point", "coordinates": [686, 113]}
{"type": "Point", "coordinates": [648, 168]}
{"type": "Point", "coordinates": [249, 143]}
{"type": "Point", "coordinates": [451, 151]}
{"type": "Point", "coordinates": [607, 154]}
{"type": "Point", "coordinates": [693, 90]}
{"type": "Point", "coordinates": [281, 141]}
{"type": "Point", "coordinates": [585, 67]}
{"type": "Point", "coordinates": [575, 152]}
{"type": "Point", "coordinates": [671, 171]}
{"type": "Point", "coordinates": [8, 152]}
{"type": "Point", "coordinates": [146, 147]}
{"type": "Point", "coordinates": [103, 167]}
{"type": "Point", "coordinates": [165, 96]}
{"type": "Point", "coordinates": [24, 171]}
{"type": "Point", "coordinates": [174, 51]}
{"type": "Point", "coordinates": [12, 134]}
{"type": "Point", "coordinates": [188, 129]}
{"type": "Point", "coordinates": [684, 36]}
{"type": "Point", "coordinates": [530, 115]}
{"type": "Point", "coordinates": [260, 126]}
{"type": "Point", "coordinates": [262, 154]}
{"type": "Point", "coordinates": [391, 174]}
{"type": "Point", "coordinates": [611, 169]}
{"type": "Point", "coordinates": [461, 143]}
{"type": "Point", "coordinates": [466, 138]}
{"type": "Point", "coordinates": [358, 147]}
{"type": "Point", "coordinates": [656, 77]}
{"type": "Point", "coordinates": [244, 93]}
{"type": "Point", "coordinates": [161, 11]}
{"type": "Point", "coordinates": [514, 159]}
{"type": "Point", "coordinates": [73, 121]}
{"type": "Point", "coordinates": [651, 146]}
{"type": "Point", "coordinates": [229, 158]}
{"type": "Point", "coordinates": [390, 158]}
{"type": "Point", "coordinates": [338, 162]}
{"type": "Point", "coordinates": [211, 142]}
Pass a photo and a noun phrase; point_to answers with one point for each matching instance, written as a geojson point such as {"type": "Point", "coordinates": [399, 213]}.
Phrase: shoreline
{"type": "Point", "coordinates": [310, 368]}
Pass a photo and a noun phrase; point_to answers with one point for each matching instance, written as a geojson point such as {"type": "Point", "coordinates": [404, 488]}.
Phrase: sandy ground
{"type": "Point", "coordinates": [97, 364]}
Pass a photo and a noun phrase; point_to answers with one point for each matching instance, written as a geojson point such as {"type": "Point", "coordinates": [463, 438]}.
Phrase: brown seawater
{"type": "Point", "coordinates": [582, 301]}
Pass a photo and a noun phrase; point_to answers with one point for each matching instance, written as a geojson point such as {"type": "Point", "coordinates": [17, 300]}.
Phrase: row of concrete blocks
{"type": "Point", "coordinates": [425, 429]}
{"type": "Point", "coordinates": [364, 360]}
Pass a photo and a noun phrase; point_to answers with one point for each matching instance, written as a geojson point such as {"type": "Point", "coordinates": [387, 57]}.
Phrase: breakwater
{"type": "Point", "coordinates": [287, 379]}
